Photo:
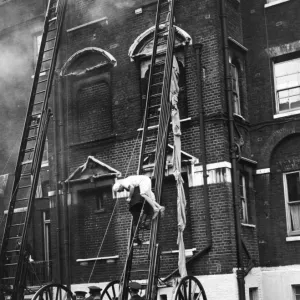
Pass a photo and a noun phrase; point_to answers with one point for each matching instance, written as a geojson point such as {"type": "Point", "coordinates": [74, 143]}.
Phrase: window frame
{"type": "Point", "coordinates": [236, 92]}
{"type": "Point", "coordinates": [287, 205]}
{"type": "Point", "coordinates": [253, 293]}
{"type": "Point", "coordinates": [294, 291]}
{"type": "Point", "coordinates": [277, 60]}
{"type": "Point", "coordinates": [244, 198]}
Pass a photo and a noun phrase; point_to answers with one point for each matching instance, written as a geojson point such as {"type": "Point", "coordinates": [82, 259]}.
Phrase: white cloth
{"type": "Point", "coordinates": [141, 181]}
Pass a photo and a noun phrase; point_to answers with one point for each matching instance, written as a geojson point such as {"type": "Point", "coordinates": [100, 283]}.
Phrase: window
{"type": "Point", "coordinates": [235, 90]}
{"type": "Point", "coordinates": [287, 85]}
{"type": "Point", "coordinates": [103, 195]}
{"type": "Point", "coordinates": [296, 292]}
{"type": "Point", "coordinates": [46, 244]}
{"type": "Point", "coordinates": [244, 199]}
{"type": "Point", "coordinates": [253, 293]}
{"type": "Point", "coordinates": [292, 201]}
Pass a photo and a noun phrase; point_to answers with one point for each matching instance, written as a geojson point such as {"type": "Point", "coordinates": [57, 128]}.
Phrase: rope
{"type": "Point", "coordinates": [105, 234]}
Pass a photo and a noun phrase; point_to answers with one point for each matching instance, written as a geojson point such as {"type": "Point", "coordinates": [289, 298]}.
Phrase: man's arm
{"type": "Point", "coordinates": [131, 191]}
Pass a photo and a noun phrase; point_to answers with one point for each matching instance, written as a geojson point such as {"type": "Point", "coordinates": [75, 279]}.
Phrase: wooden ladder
{"type": "Point", "coordinates": [14, 253]}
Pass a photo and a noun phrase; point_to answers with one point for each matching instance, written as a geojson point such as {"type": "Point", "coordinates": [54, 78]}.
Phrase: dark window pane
{"type": "Point", "coordinates": [293, 185]}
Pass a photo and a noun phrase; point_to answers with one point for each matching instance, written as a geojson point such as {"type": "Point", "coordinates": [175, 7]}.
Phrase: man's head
{"type": "Point", "coordinates": [80, 295]}
{"type": "Point", "coordinates": [134, 287]}
{"type": "Point", "coordinates": [118, 187]}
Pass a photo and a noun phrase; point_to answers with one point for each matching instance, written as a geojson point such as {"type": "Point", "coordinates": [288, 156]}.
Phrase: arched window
{"type": "Point", "coordinates": [88, 76]}
{"type": "Point", "coordinates": [141, 51]}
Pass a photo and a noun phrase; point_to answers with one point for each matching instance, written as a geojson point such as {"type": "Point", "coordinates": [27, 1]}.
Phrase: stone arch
{"type": "Point", "coordinates": [146, 39]}
{"type": "Point", "coordinates": [270, 144]}
{"type": "Point", "coordinates": [284, 156]}
{"type": "Point", "coordinates": [86, 60]}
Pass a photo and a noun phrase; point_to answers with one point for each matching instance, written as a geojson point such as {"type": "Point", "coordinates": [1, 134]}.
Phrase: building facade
{"type": "Point", "coordinates": [239, 68]}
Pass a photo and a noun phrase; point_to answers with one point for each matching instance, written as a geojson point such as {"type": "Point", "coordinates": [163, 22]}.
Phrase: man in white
{"type": "Point", "coordinates": [144, 183]}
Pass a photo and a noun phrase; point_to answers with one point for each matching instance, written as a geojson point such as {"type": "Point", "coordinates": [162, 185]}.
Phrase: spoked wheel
{"type": "Point", "coordinates": [190, 288]}
{"type": "Point", "coordinates": [111, 291]}
{"type": "Point", "coordinates": [53, 291]}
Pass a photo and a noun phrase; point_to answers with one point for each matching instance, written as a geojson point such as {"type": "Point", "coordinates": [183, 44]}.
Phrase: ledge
{"type": "Point", "coordinates": [155, 126]}
{"type": "Point", "coordinates": [292, 238]}
{"type": "Point", "coordinates": [263, 171]}
{"type": "Point", "coordinates": [82, 260]}
{"type": "Point", "coordinates": [188, 252]}
{"type": "Point", "coordinates": [286, 114]}
{"type": "Point", "coordinates": [248, 225]}
{"type": "Point", "coordinates": [275, 3]}
{"type": "Point", "coordinates": [104, 19]}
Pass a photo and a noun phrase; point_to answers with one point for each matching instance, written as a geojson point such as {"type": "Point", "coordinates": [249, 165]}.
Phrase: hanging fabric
{"type": "Point", "coordinates": [181, 200]}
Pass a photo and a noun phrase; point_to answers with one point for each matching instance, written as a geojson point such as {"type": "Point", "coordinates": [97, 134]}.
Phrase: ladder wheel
{"type": "Point", "coordinates": [53, 291]}
{"type": "Point", "coordinates": [111, 291]}
{"type": "Point", "coordinates": [190, 288]}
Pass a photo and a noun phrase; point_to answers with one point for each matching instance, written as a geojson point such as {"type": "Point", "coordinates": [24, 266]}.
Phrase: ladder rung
{"type": "Point", "coordinates": [44, 80]}
{"type": "Point", "coordinates": [20, 210]}
{"type": "Point", "coordinates": [164, 42]}
{"type": "Point", "coordinates": [26, 162]}
{"type": "Point", "coordinates": [155, 95]}
{"type": "Point", "coordinates": [33, 126]}
{"type": "Point", "coordinates": [52, 20]}
{"type": "Point", "coordinates": [26, 174]}
{"type": "Point", "coordinates": [11, 251]}
{"type": "Point", "coordinates": [7, 278]}
{"type": "Point", "coordinates": [52, 39]}
{"type": "Point", "coordinates": [13, 225]}
{"type": "Point", "coordinates": [159, 63]}
{"type": "Point", "coordinates": [24, 187]}
{"type": "Point", "coordinates": [48, 59]}
{"type": "Point", "coordinates": [22, 199]}
{"type": "Point", "coordinates": [152, 118]}
{"type": "Point", "coordinates": [14, 264]}
{"type": "Point", "coordinates": [156, 84]}
{"type": "Point", "coordinates": [53, 29]}
{"type": "Point", "coordinates": [40, 92]}
{"type": "Point", "coordinates": [39, 103]}
{"type": "Point", "coordinates": [50, 49]}
{"type": "Point", "coordinates": [28, 150]}
{"type": "Point", "coordinates": [45, 70]}
{"type": "Point", "coordinates": [31, 138]}
{"type": "Point", "coordinates": [154, 106]}
{"type": "Point", "coordinates": [36, 114]}
{"type": "Point", "coordinates": [151, 140]}
{"type": "Point", "coordinates": [158, 73]}
{"type": "Point", "coordinates": [14, 238]}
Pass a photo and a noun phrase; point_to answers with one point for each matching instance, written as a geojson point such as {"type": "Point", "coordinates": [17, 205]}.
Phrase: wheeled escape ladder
{"type": "Point", "coordinates": [14, 253]}
{"type": "Point", "coordinates": [155, 133]}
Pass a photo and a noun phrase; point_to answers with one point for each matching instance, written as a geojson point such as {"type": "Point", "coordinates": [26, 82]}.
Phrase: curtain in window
{"type": "Point", "coordinates": [295, 216]}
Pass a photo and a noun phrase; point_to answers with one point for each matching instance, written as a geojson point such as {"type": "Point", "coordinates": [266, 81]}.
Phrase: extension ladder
{"type": "Point", "coordinates": [14, 253]}
{"type": "Point", "coordinates": [155, 132]}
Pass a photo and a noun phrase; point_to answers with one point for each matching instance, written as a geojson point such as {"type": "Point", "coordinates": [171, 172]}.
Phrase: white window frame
{"type": "Point", "coordinates": [287, 205]}
{"type": "Point", "coordinates": [253, 293]}
{"type": "Point", "coordinates": [294, 291]}
{"type": "Point", "coordinates": [279, 113]}
{"type": "Point", "coordinates": [46, 240]}
{"type": "Point", "coordinates": [236, 91]}
{"type": "Point", "coordinates": [244, 200]}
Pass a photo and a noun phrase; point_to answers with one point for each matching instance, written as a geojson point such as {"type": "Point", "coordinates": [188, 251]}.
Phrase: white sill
{"type": "Point", "coordinates": [292, 238]}
{"type": "Point", "coordinates": [188, 252]}
{"type": "Point", "coordinates": [45, 163]}
{"type": "Point", "coordinates": [97, 258]}
{"type": "Point", "coordinates": [286, 114]}
{"type": "Point", "coordinates": [275, 3]}
{"type": "Point", "coordinates": [248, 225]}
{"type": "Point", "coordinates": [155, 126]}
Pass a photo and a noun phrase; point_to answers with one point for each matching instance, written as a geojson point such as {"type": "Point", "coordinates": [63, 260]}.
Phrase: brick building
{"type": "Point", "coordinates": [98, 102]}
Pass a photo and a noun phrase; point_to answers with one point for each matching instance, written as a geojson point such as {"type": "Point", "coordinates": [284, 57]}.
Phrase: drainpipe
{"type": "Point", "coordinates": [199, 254]}
{"type": "Point", "coordinates": [56, 178]}
{"type": "Point", "coordinates": [233, 157]}
{"type": "Point", "coordinates": [64, 187]}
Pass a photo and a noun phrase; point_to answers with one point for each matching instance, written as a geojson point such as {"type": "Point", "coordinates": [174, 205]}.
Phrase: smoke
{"type": "Point", "coordinates": [120, 4]}
{"type": "Point", "coordinates": [16, 68]}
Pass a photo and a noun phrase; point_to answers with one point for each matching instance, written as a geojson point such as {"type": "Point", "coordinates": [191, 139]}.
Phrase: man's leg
{"type": "Point", "coordinates": [151, 200]}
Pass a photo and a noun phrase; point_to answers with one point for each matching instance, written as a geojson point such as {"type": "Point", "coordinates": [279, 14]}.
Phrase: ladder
{"type": "Point", "coordinates": [155, 132]}
{"type": "Point", "coordinates": [14, 253]}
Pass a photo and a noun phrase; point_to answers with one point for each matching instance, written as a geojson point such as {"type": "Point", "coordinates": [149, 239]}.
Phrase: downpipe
{"type": "Point", "coordinates": [233, 157]}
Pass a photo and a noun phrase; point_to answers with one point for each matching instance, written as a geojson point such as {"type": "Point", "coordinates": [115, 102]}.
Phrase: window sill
{"type": "Point", "coordinates": [248, 225]}
{"type": "Point", "coordinates": [275, 3]}
{"type": "Point", "coordinates": [286, 114]}
{"type": "Point", "coordinates": [292, 238]}
{"type": "Point", "coordinates": [98, 211]}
